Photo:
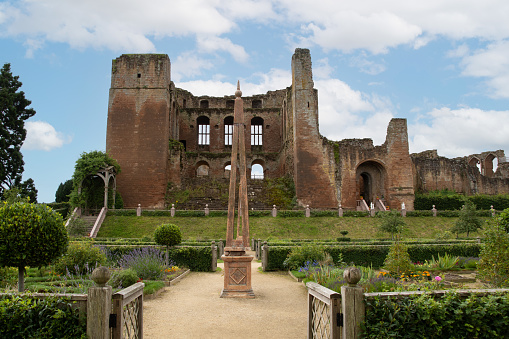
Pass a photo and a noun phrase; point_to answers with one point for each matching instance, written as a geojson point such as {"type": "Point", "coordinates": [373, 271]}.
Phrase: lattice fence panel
{"type": "Point", "coordinates": [131, 321]}
{"type": "Point", "coordinates": [321, 319]}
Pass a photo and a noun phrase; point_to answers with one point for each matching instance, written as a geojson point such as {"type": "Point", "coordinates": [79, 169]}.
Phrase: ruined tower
{"type": "Point", "coordinates": [139, 126]}
{"type": "Point", "coordinates": [313, 184]}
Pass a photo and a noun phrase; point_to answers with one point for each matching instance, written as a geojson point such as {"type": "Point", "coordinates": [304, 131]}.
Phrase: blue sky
{"type": "Point", "coordinates": [443, 65]}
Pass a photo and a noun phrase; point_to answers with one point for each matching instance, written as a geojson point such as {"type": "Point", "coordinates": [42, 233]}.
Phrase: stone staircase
{"type": "Point", "coordinates": [90, 220]}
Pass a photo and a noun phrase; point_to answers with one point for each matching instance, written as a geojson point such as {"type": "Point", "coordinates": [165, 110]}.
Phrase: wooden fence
{"type": "Point", "coordinates": [126, 319]}
{"type": "Point", "coordinates": [339, 315]}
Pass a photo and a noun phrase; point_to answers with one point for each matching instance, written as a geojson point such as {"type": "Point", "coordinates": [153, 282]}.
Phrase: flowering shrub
{"type": "Point", "coordinates": [123, 278]}
{"type": "Point", "coordinates": [79, 258]}
{"type": "Point", "coordinates": [147, 262]}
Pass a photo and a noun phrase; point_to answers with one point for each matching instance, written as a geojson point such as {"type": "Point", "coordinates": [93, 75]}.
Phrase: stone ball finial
{"type": "Point", "coordinates": [433, 206]}
{"type": "Point", "coordinates": [139, 205]}
{"type": "Point", "coordinates": [101, 275]}
{"type": "Point", "coordinates": [352, 275]}
{"type": "Point", "coordinates": [238, 92]}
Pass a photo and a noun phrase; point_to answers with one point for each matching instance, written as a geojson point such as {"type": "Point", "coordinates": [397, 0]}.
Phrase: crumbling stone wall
{"type": "Point", "coordinates": [433, 172]}
{"type": "Point", "coordinates": [153, 133]}
{"type": "Point", "coordinates": [138, 126]}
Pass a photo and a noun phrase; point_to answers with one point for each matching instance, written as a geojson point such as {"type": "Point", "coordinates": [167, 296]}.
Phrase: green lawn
{"type": "Point", "coordinates": [274, 228]}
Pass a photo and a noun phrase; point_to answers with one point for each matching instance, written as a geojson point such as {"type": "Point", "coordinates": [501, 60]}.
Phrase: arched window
{"type": "Point", "coordinates": [227, 169]}
{"type": "Point", "coordinates": [202, 169]}
{"type": "Point", "coordinates": [228, 131]}
{"type": "Point", "coordinates": [256, 131]}
{"type": "Point", "coordinates": [257, 171]}
{"type": "Point", "coordinates": [203, 130]}
{"type": "Point", "coordinates": [475, 162]}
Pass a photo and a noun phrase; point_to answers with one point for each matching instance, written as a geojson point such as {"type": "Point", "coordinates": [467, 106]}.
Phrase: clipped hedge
{"type": "Point", "coordinates": [25, 317]}
{"type": "Point", "coordinates": [454, 201]}
{"type": "Point", "coordinates": [196, 258]}
{"type": "Point", "coordinates": [425, 316]}
{"type": "Point", "coordinates": [374, 255]}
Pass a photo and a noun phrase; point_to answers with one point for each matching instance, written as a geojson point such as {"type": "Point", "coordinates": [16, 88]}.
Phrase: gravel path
{"type": "Point", "coordinates": [193, 309]}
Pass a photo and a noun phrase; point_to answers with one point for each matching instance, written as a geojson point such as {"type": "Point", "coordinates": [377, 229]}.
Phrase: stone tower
{"type": "Point", "coordinates": [313, 184]}
{"type": "Point", "coordinates": [139, 126]}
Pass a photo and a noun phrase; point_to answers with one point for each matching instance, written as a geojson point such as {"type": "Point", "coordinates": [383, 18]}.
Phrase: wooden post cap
{"type": "Point", "coordinates": [352, 275]}
{"type": "Point", "coordinates": [101, 275]}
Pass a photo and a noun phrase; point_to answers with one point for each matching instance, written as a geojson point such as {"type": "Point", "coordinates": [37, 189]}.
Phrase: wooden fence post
{"type": "Point", "coordinates": [99, 305]}
{"type": "Point", "coordinates": [352, 298]}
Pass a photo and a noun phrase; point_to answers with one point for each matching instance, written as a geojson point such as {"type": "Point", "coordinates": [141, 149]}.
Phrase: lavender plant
{"type": "Point", "coordinates": [148, 262]}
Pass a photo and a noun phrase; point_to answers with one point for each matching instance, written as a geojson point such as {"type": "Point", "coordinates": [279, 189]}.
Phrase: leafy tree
{"type": "Point", "coordinates": [494, 264]}
{"type": "Point", "coordinates": [30, 235]}
{"type": "Point", "coordinates": [84, 174]}
{"type": "Point", "coordinates": [25, 191]}
{"type": "Point", "coordinates": [167, 235]}
{"type": "Point", "coordinates": [392, 222]}
{"type": "Point", "coordinates": [468, 220]}
{"type": "Point", "coordinates": [63, 191]}
{"type": "Point", "coordinates": [13, 113]}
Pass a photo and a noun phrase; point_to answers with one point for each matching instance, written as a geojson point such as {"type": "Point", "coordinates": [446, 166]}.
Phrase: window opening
{"type": "Point", "coordinates": [256, 131]}
{"type": "Point", "coordinates": [204, 104]}
{"type": "Point", "coordinates": [257, 172]}
{"type": "Point", "coordinates": [256, 104]}
{"type": "Point", "coordinates": [203, 131]}
{"type": "Point", "coordinates": [228, 131]}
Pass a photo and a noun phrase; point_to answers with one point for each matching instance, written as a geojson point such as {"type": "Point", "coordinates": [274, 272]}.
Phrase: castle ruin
{"type": "Point", "coordinates": [165, 136]}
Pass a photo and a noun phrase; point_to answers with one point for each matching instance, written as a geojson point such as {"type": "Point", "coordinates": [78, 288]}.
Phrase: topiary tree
{"type": "Point", "coordinates": [30, 235]}
{"type": "Point", "coordinates": [468, 220]}
{"type": "Point", "coordinates": [392, 222]}
{"type": "Point", "coordinates": [167, 235]}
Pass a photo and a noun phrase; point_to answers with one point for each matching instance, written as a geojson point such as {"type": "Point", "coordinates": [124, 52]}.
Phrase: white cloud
{"type": "Point", "coordinates": [211, 44]}
{"type": "Point", "coordinates": [367, 66]}
{"type": "Point", "coordinates": [459, 132]}
{"type": "Point", "coordinates": [345, 113]}
{"type": "Point", "coordinates": [189, 65]}
{"type": "Point", "coordinates": [42, 136]}
{"type": "Point", "coordinates": [114, 24]}
{"type": "Point", "coordinates": [491, 63]}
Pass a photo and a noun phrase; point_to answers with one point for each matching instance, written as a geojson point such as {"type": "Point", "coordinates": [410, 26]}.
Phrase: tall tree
{"type": "Point", "coordinates": [63, 191]}
{"type": "Point", "coordinates": [13, 113]}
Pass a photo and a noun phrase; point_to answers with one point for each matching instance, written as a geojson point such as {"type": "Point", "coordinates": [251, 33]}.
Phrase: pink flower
{"type": "Point", "coordinates": [437, 278]}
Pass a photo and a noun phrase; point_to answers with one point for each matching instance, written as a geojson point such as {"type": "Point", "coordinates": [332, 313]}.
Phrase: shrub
{"type": "Point", "coordinates": [398, 259]}
{"type": "Point", "coordinates": [167, 235]}
{"type": "Point", "coordinates": [124, 278]}
{"type": "Point", "coordinates": [300, 255]}
{"type": "Point", "coordinates": [147, 262]}
{"type": "Point", "coordinates": [425, 316]}
{"type": "Point", "coordinates": [53, 317]}
{"type": "Point", "coordinates": [494, 264]}
{"type": "Point", "coordinates": [80, 258]}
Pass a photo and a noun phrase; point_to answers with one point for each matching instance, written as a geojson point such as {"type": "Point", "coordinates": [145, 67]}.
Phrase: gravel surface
{"type": "Point", "coordinates": [193, 309]}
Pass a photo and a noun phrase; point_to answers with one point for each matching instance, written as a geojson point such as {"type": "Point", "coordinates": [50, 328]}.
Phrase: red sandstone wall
{"type": "Point", "coordinates": [138, 127]}
{"type": "Point", "coordinates": [313, 185]}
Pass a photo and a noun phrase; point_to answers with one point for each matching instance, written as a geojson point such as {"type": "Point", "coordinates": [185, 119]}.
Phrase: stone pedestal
{"type": "Point", "coordinates": [237, 276]}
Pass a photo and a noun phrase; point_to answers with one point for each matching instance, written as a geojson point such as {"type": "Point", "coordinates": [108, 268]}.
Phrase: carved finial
{"type": "Point", "coordinates": [352, 275]}
{"type": "Point", "coordinates": [101, 275]}
{"type": "Point", "coordinates": [238, 92]}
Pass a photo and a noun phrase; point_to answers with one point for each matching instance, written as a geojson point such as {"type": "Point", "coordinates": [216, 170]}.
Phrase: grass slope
{"type": "Point", "coordinates": [274, 228]}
